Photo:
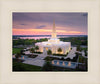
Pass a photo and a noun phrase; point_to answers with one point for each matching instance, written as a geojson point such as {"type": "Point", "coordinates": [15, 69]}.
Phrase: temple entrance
{"type": "Point", "coordinates": [45, 49]}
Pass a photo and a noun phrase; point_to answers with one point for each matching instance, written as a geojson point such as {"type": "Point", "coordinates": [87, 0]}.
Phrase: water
{"type": "Point", "coordinates": [43, 36]}
{"type": "Point", "coordinates": [66, 63]}
{"type": "Point", "coordinates": [73, 65]}
{"type": "Point", "coordinates": [33, 37]}
{"type": "Point", "coordinates": [60, 63]}
{"type": "Point", "coordinates": [55, 62]}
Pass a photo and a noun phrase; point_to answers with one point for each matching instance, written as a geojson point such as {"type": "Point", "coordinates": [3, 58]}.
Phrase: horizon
{"type": "Point", "coordinates": [42, 23]}
{"type": "Point", "coordinates": [48, 35]}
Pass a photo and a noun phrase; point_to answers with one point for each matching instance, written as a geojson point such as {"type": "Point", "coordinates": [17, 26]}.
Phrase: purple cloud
{"type": "Point", "coordinates": [40, 27]}
{"type": "Point", "coordinates": [75, 21]}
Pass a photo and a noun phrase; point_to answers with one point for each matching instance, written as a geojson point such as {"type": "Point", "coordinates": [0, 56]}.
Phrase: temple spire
{"type": "Point", "coordinates": [54, 30]}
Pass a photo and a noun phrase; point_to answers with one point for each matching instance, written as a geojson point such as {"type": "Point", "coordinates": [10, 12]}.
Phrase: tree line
{"type": "Point", "coordinates": [73, 40]}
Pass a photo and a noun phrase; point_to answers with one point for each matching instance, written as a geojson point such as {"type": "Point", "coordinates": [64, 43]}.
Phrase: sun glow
{"type": "Point", "coordinates": [42, 32]}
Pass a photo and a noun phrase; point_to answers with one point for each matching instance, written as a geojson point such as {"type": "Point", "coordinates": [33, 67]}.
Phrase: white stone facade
{"type": "Point", "coordinates": [54, 44]}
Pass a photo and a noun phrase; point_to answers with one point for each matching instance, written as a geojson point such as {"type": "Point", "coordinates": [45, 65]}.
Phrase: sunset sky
{"type": "Point", "coordinates": [42, 23]}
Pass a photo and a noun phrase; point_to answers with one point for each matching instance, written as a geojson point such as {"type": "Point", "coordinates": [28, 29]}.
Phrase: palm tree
{"type": "Point", "coordinates": [59, 50]}
{"type": "Point", "coordinates": [37, 48]}
{"type": "Point", "coordinates": [49, 52]}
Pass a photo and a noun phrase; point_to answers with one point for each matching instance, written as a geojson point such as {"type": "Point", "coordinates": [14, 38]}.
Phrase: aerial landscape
{"type": "Point", "coordinates": [56, 41]}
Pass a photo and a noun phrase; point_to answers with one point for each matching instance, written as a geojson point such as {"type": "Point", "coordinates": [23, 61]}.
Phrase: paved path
{"type": "Point", "coordinates": [71, 54]}
{"type": "Point", "coordinates": [38, 61]}
{"type": "Point", "coordinates": [83, 54]}
{"type": "Point", "coordinates": [55, 56]}
{"type": "Point", "coordinates": [35, 62]}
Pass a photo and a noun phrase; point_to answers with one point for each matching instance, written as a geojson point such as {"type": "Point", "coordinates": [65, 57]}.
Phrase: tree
{"type": "Point", "coordinates": [78, 48]}
{"type": "Point", "coordinates": [47, 67]}
{"type": "Point", "coordinates": [49, 52]}
{"type": "Point", "coordinates": [17, 56]}
{"type": "Point", "coordinates": [85, 51]}
{"type": "Point", "coordinates": [59, 50]}
{"type": "Point", "coordinates": [32, 50]}
{"type": "Point", "coordinates": [37, 48]}
{"type": "Point", "coordinates": [21, 52]}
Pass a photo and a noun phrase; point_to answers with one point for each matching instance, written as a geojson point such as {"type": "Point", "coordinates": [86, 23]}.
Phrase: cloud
{"type": "Point", "coordinates": [63, 21]}
{"type": "Point", "coordinates": [23, 24]}
{"type": "Point", "coordinates": [40, 27]}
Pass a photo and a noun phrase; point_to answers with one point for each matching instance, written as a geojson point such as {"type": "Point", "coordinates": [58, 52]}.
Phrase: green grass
{"type": "Point", "coordinates": [25, 67]}
{"type": "Point", "coordinates": [16, 50]}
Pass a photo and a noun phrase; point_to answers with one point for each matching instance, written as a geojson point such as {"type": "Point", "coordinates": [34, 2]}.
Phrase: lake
{"type": "Point", "coordinates": [43, 36]}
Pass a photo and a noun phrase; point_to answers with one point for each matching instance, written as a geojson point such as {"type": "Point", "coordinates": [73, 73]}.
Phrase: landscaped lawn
{"type": "Point", "coordinates": [16, 50]}
{"type": "Point", "coordinates": [25, 67]}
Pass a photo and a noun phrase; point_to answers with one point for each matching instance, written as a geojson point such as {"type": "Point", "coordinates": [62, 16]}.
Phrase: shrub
{"type": "Point", "coordinates": [68, 59]}
{"type": "Point", "coordinates": [37, 48]}
{"type": "Point", "coordinates": [49, 52]}
{"type": "Point", "coordinates": [32, 50]}
{"type": "Point", "coordinates": [59, 50]}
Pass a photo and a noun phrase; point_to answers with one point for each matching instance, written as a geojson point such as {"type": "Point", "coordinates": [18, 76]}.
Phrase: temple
{"type": "Point", "coordinates": [54, 44]}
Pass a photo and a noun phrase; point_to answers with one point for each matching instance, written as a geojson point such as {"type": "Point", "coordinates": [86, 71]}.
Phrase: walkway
{"type": "Point", "coordinates": [35, 62]}
{"type": "Point", "coordinates": [83, 54]}
{"type": "Point", "coordinates": [38, 61]}
{"type": "Point", "coordinates": [71, 54]}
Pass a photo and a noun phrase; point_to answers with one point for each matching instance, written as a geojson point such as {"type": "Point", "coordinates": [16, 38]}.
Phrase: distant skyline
{"type": "Point", "coordinates": [42, 23]}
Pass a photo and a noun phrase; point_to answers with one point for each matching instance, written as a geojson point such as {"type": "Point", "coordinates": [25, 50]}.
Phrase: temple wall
{"type": "Point", "coordinates": [54, 47]}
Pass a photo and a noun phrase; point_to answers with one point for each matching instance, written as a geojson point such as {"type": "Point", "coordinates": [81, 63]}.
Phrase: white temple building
{"type": "Point", "coordinates": [54, 44]}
